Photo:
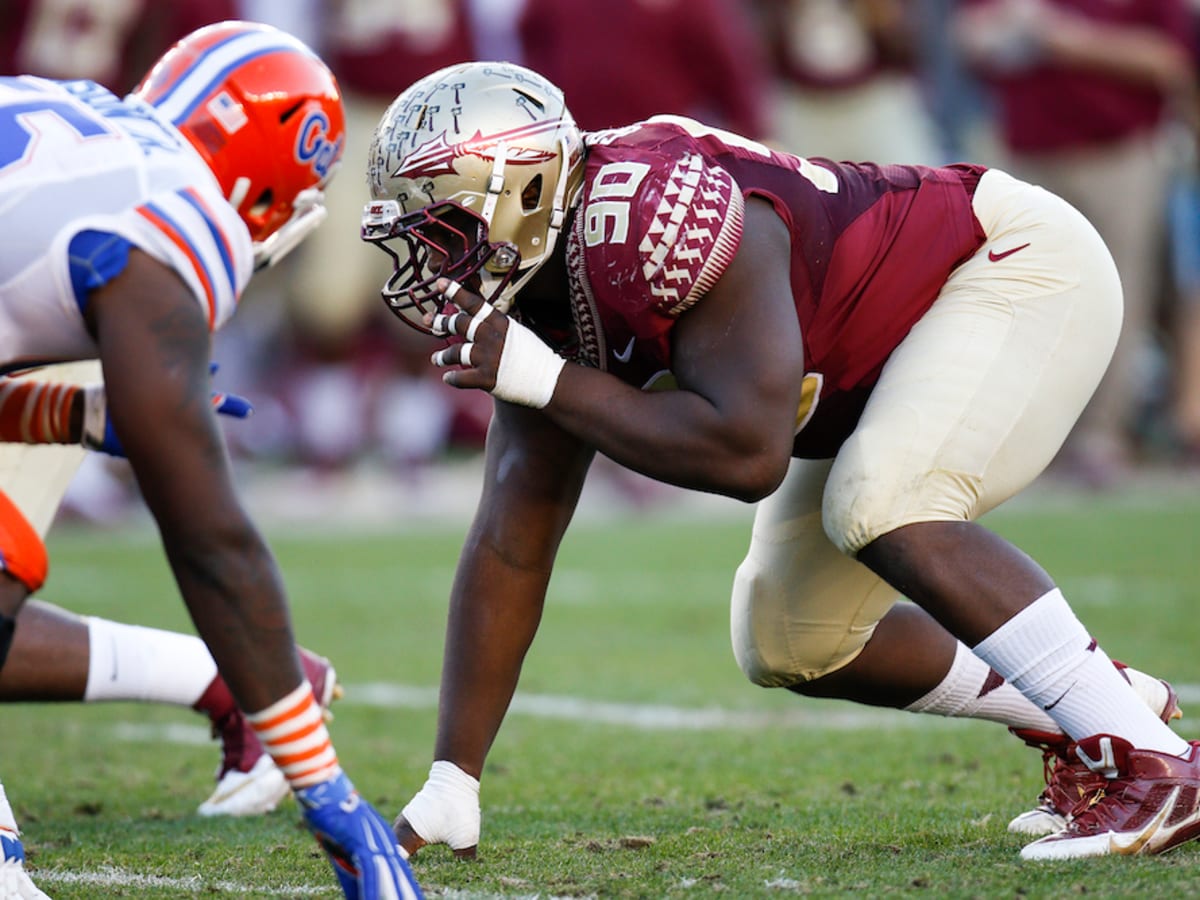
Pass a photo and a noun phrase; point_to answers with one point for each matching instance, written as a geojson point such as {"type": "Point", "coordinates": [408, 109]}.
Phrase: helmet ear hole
{"type": "Point", "coordinates": [531, 197]}
{"type": "Point", "coordinates": [290, 111]}
{"type": "Point", "coordinates": [262, 204]}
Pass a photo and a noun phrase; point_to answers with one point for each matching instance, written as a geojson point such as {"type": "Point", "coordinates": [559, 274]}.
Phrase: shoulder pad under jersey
{"type": "Point", "coordinates": [659, 223]}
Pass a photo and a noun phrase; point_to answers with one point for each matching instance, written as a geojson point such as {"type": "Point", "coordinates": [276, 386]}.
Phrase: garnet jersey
{"type": "Point", "coordinates": [82, 172]}
{"type": "Point", "coordinates": [661, 219]}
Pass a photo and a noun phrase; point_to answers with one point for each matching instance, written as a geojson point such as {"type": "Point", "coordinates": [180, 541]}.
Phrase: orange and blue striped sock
{"type": "Point", "coordinates": [292, 731]}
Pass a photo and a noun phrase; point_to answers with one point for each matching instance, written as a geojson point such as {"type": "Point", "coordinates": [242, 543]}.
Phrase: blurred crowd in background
{"type": "Point", "coordinates": [1094, 99]}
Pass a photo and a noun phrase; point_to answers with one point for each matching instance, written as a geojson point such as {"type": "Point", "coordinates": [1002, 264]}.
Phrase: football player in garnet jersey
{"type": "Point", "coordinates": [131, 228]}
{"type": "Point", "coordinates": [875, 355]}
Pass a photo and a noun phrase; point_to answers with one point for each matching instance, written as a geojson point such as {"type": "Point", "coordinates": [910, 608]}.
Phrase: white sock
{"type": "Point", "coordinates": [129, 662]}
{"type": "Point", "coordinates": [7, 819]}
{"type": "Point", "coordinates": [1047, 654]}
{"type": "Point", "coordinates": [967, 692]}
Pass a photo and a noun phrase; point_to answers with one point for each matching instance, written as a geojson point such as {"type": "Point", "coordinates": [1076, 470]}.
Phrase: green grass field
{"type": "Point", "coordinates": [637, 762]}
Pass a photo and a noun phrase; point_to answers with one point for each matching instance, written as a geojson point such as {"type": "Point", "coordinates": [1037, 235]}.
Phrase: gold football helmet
{"type": "Point", "coordinates": [472, 171]}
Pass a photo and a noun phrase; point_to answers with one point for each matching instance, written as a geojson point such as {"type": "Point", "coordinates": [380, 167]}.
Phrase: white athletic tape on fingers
{"type": "Point", "coordinates": [438, 359]}
{"type": "Point", "coordinates": [464, 355]}
{"type": "Point", "coordinates": [528, 371]}
{"type": "Point", "coordinates": [452, 289]}
{"type": "Point", "coordinates": [476, 320]}
{"type": "Point", "coordinates": [442, 324]}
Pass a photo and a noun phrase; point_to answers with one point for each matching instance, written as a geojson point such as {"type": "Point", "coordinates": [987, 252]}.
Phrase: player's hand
{"type": "Point", "coordinates": [360, 846]}
{"type": "Point", "coordinates": [229, 404]}
{"type": "Point", "coordinates": [444, 811]}
{"type": "Point", "coordinates": [98, 433]}
{"type": "Point", "coordinates": [497, 354]}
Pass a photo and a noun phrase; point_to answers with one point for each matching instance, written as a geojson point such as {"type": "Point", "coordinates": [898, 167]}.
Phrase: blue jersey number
{"type": "Point", "coordinates": [16, 134]}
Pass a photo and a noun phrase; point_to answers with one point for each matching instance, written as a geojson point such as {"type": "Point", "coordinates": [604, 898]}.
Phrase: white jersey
{"type": "Point", "coordinates": [74, 158]}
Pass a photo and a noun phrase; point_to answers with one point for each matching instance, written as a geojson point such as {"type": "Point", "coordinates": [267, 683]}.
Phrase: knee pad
{"type": "Point", "coordinates": [866, 498]}
{"type": "Point", "coordinates": [22, 553]}
{"type": "Point", "coordinates": [776, 644]}
{"type": "Point", "coordinates": [801, 609]}
{"type": "Point", "coordinates": [760, 650]}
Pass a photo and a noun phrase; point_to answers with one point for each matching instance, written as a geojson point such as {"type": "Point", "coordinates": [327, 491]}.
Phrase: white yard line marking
{"type": "Point", "coordinates": [112, 878]}
{"type": "Point", "coordinates": [642, 717]}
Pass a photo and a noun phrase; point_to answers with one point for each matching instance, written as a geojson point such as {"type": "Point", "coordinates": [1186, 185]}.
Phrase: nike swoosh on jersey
{"type": "Point", "coordinates": [996, 257]}
{"type": "Point", "coordinates": [628, 352]}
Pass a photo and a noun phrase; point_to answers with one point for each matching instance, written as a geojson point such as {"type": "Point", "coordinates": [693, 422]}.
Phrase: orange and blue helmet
{"type": "Point", "coordinates": [265, 113]}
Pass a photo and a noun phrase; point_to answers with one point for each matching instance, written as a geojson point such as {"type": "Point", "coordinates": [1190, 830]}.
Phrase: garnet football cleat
{"type": "Point", "coordinates": [1067, 779]}
{"type": "Point", "coordinates": [1149, 804]}
{"type": "Point", "coordinates": [248, 781]}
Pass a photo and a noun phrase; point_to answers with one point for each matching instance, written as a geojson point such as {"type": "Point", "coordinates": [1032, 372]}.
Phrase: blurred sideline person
{"type": "Point", "coordinates": [1084, 92]}
{"type": "Point", "coordinates": [626, 60]}
{"type": "Point", "coordinates": [846, 80]}
{"type": "Point", "coordinates": [351, 384]}
{"type": "Point", "coordinates": [55, 655]}
{"type": "Point", "coordinates": [132, 228]}
{"type": "Point", "coordinates": [875, 355]}
{"type": "Point", "coordinates": [111, 43]}
{"type": "Point", "coordinates": [1183, 407]}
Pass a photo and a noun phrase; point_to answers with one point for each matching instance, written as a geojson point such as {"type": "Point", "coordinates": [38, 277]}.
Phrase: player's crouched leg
{"type": "Point", "coordinates": [800, 607]}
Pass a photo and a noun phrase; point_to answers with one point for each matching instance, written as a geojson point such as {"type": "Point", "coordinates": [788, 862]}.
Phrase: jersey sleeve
{"type": "Point", "coordinates": [685, 219]}
{"type": "Point", "coordinates": [198, 237]}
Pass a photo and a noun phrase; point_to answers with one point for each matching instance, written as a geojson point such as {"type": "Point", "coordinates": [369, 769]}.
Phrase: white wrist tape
{"type": "Point", "coordinates": [528, 371]}
{"type": "Point", "coordinates": [446, 809]}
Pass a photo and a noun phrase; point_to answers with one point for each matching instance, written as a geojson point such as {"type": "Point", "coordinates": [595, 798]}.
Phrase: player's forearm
{"type": "Point", "coordinates": [235, 596]}
{"type": "Point", "coordinates": [678, 437]}
{"type": "Point", "coordinates": [495, 610]}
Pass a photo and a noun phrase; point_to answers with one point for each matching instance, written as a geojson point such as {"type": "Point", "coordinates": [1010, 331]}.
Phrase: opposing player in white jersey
{"type": "Point", "coordinates": [57, 656]}
{"type": "Point", "coordinates": [130, 229]}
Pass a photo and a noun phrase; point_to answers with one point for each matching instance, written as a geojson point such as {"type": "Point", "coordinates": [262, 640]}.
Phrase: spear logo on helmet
{"type": "Point", "coordinates": [437, 157]}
